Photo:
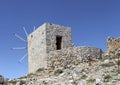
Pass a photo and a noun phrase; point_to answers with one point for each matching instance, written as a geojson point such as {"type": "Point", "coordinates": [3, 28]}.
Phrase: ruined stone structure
{"type": "Point", "coordinates": [48, 37]}
{"type": "Point", "coordinates": [51, 41]}
{"type": "Point", "coordinates": [68, 57]}
{"type": "Point", "coordinates": [113, 44]}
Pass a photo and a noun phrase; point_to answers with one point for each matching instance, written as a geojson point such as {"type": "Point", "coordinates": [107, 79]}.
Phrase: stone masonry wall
{"type": "Point", "coordinates": [68, 57]}
{"type": "Point", "coordinates": [37, 49]}
{"type": "Point", "coordinates": [113, 44]}
{"type": "Point", "coordinates": [52, 31]}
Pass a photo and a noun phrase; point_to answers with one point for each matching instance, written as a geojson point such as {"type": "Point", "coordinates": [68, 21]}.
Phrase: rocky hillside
{"type": "Point", "coordinates": [67, 68]}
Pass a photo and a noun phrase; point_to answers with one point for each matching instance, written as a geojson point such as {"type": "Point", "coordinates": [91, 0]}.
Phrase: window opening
{"type": "Point", "coordinates": [58, 42]}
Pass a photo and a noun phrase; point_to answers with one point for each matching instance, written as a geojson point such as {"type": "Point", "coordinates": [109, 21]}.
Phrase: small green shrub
{"type": "Point", "coordinates": [50, 71]}
{"type": "Point", "coordinates": [40, 69]}
{"type": "Point", "coordinates": [22, 82]}
{"type": "Point", "coordinates": [117, 79]}
{"type": "Point", "coordinates": [13, 82]}
{"type": "Point", "coordinates": [76, 62]}
{"type": "Point", "coordinates": [68, 72]}
{"type": "Point", "coordinates": [107, 78]}
{"type": "Point", "coordinates": [91, 80]}
{"type": "Point", "coordinates": [83, 76]}
{"type": "Point", "coordinates": [44, 82]}
{"type": "Point", "coordinates": [97, 68]}
{"type": "Point", "coordinates": [58, 71]}
{"type": "Point", "coordinates": [104, 65]}
{"type": "Point", "coordinates": [23, 77]}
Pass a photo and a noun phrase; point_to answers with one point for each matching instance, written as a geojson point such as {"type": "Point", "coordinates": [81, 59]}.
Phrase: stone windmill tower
{"type": "Point", "coordinates": [48, 37]}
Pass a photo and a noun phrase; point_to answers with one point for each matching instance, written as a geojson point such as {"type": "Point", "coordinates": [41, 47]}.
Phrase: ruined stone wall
{"type": "Point", "coordinates": [68, 57]}
{"type": "Point", "coordinates": [113, 44]}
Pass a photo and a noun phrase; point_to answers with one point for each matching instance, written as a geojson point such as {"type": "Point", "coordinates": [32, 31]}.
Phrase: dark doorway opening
{"type": "Point", "coordinates": [58, 42]}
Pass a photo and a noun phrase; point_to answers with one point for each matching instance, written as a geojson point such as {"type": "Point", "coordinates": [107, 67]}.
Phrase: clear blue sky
{"type": "Point", "coordinates": [92, 21]}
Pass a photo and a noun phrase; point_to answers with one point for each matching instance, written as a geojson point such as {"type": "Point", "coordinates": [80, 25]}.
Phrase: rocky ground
{"type": "Point", "coordinates": [74, 72]}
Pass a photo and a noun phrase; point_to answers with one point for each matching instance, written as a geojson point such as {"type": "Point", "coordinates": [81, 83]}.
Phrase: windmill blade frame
{"type": "Point", "coordinates": [23, 57]}
{"type": "Point", "coordinates": [34, 29]}
{"type": "Point", "coordinates": [25, 31]}
{"type": "Point", "coordinates": [16, 35]}
{"type": "Point", "coordinates": [24, 47]}
{"type": "Point", "coordinates": [19, 48]}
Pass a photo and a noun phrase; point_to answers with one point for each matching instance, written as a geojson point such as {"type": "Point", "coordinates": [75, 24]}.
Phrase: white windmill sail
{"type": "Point", "coordinates": [24, 47]}
{"type": "Point", "coordinates": [25, 32]}
{"type": "Point", "coordinates": [16, 35]}
{"type": "Point", "coordinates": [23, 57]}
